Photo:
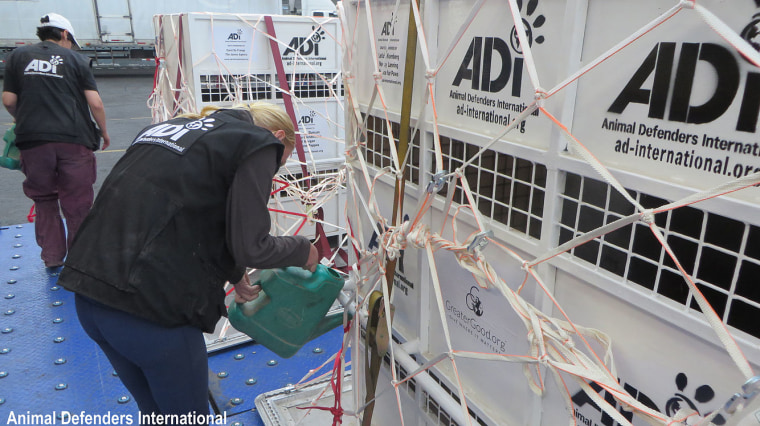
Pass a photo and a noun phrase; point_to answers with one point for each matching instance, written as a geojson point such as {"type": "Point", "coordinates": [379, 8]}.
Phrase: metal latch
{"type": "Point", "coordinates": [480, 241]}
{"type": "Point", "coordinates": [437, 183]}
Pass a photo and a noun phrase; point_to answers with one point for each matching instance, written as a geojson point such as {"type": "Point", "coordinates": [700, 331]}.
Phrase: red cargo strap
{"type": "Point", "coordinates": [336, 383]}
{"type": "Point", "coordinates": [180, 50]}
{"type": "Point", "coordinates": [323, 246]}
{"type": "Point", "coordinates": [283, 82]}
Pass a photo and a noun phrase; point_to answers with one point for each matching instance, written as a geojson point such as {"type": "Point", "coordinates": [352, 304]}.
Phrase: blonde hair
{"type": "Point", "coordinates": [266, 115]}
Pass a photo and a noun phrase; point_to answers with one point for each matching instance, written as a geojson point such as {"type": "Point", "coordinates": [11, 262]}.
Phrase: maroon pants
{"type": "Point", "coordinates": [59, 178]}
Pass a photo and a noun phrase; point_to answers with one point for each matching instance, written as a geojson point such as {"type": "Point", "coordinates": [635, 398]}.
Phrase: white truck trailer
{"type": "Point", "coordinates": [118, 34]}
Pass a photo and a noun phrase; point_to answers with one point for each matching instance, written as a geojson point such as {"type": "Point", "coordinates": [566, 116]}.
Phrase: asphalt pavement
{"type": "Point", "coordinates": [127, 112]}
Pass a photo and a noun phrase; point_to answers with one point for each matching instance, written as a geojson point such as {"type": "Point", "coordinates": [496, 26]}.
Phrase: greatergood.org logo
{"type": "Point", "coordinates": [473, 301]}
{"type": "Point", "coordinates": [475, 326]}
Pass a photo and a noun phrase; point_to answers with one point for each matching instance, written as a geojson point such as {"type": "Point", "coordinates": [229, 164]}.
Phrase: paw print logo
{"type": "Point", "coordinates": [538, 21]}
{"type": "Point", "coordinates": [203, 124]}
{"type": "Point", "coordinates": [318, 34]}
{"type": "Point", "coordinates": [751, 33]}
{"type": "Point", "coordinates": [56, 60]}
{"type": "Point", "coordinates": [702, 394]}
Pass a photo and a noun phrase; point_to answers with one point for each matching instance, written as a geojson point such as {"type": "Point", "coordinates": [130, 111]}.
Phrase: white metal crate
{"type": "Point", "coordinates": [535, 189]}
{"type": "Point", "coordinates": [223, 59]}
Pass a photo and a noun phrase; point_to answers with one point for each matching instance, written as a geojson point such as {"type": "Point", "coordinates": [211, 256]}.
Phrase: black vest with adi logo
{"type": "Point", "coordinates": [154, 242]}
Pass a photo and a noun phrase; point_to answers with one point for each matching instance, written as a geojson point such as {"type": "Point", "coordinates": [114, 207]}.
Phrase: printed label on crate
{"type": "Point", "coordinates": [388, 58]}
{"type": "Point", "coordinates": [320, 134]}
{"type": "Point", "coordinates": [485, 83]}
{"type": "Point", "coordinates": [232, 41]}
{"type": "Point", "coordinates": [465, 316]}
{"type": "Point", "coordinates": [308, 45]}
{"type": "Point", "coordinates": [391, 48]}
{"type": "Point", "coordinates": [675, 377]}
{"type": "Point", "coordinates": [476, 319]}
{"type": "Point", "coordinates": [680, 105]}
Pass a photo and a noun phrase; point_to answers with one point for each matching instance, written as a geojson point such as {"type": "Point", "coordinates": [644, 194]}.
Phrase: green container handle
{"type": "Point", "coordinates": [11, 158]}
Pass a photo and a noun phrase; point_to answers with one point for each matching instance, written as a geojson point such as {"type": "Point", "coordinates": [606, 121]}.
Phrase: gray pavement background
{"type": "Point", "coordinates": [127, 112]}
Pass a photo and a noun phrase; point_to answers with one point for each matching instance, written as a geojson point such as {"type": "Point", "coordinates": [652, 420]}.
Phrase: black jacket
{"type": "Point", "coordinates": [154, 243]}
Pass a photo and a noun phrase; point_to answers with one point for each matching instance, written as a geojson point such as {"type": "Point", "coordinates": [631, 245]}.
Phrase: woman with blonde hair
{"type": "Point", "coordinates": [183, 212]}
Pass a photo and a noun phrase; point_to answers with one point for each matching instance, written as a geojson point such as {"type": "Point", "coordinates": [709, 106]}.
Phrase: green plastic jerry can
{"type": "Point", "coordinates": [291, 308]}
{"type": "Point", "coordinates": [11, 158]}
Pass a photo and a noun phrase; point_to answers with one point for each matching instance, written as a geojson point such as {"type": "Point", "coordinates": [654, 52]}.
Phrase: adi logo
{"type": "Point", "coordinates": [306, 46]}
{"type": "Point", "coordinates": [665, 81]}
{"type": "Point", "coordinates": [308, 119]}
{"type": "Point", "coordinates": [38, 66]}
{"type": "Point", "coordinates": [236, 36]}
{"type": "Point", "coordinates": [177, 135]}
{"type": "Point", "coordinates": [480, 63]}
{"type": "Point", "coordinates": [389, 27]}
{"type": "Point", "coordinates": [176, 131]}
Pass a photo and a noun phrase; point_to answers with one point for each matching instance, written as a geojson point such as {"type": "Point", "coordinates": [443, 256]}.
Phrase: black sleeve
{"type": "Point", "coordinates": [248, 221]}
{"type": "Point", "coordinates": [86, 77]}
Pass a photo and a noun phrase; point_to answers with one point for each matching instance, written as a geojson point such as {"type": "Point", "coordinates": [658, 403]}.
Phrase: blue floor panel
{"type": "Point", "coordinates": [48, 365]}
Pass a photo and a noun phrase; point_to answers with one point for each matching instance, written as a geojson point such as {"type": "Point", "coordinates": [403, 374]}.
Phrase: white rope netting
{"type": "Point", "coordinates": [575, 355]}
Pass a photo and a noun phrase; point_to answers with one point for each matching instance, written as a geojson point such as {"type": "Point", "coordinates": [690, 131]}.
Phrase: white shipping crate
{"type": "Point", "coordinates": [536, 188]}
{"type": "Point", "coordinates": [221, 59]}
{"type": "Point", "coordinates": [224, 59]}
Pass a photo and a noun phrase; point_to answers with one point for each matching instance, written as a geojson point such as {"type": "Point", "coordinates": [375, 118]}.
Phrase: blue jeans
{"type": "Point", "coordinates": [165, 369]}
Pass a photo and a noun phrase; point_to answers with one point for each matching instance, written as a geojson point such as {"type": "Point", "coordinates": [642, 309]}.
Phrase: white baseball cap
{"type": "Point", "coordinates": [58, 21]}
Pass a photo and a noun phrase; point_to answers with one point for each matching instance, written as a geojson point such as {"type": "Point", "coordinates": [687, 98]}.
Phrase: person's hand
{"type": "Point", "coordinates": [313, 261]}
{"type": "Point", "coordinates": [244, 291]}
{"type": "Point", "coordinates": [106, 140]}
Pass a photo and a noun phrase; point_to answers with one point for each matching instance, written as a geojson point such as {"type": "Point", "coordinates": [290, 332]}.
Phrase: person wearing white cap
{"type": "Point", "coordinates": [50, 91]}
{"type": "Point", "coordinates": [57, 21]}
